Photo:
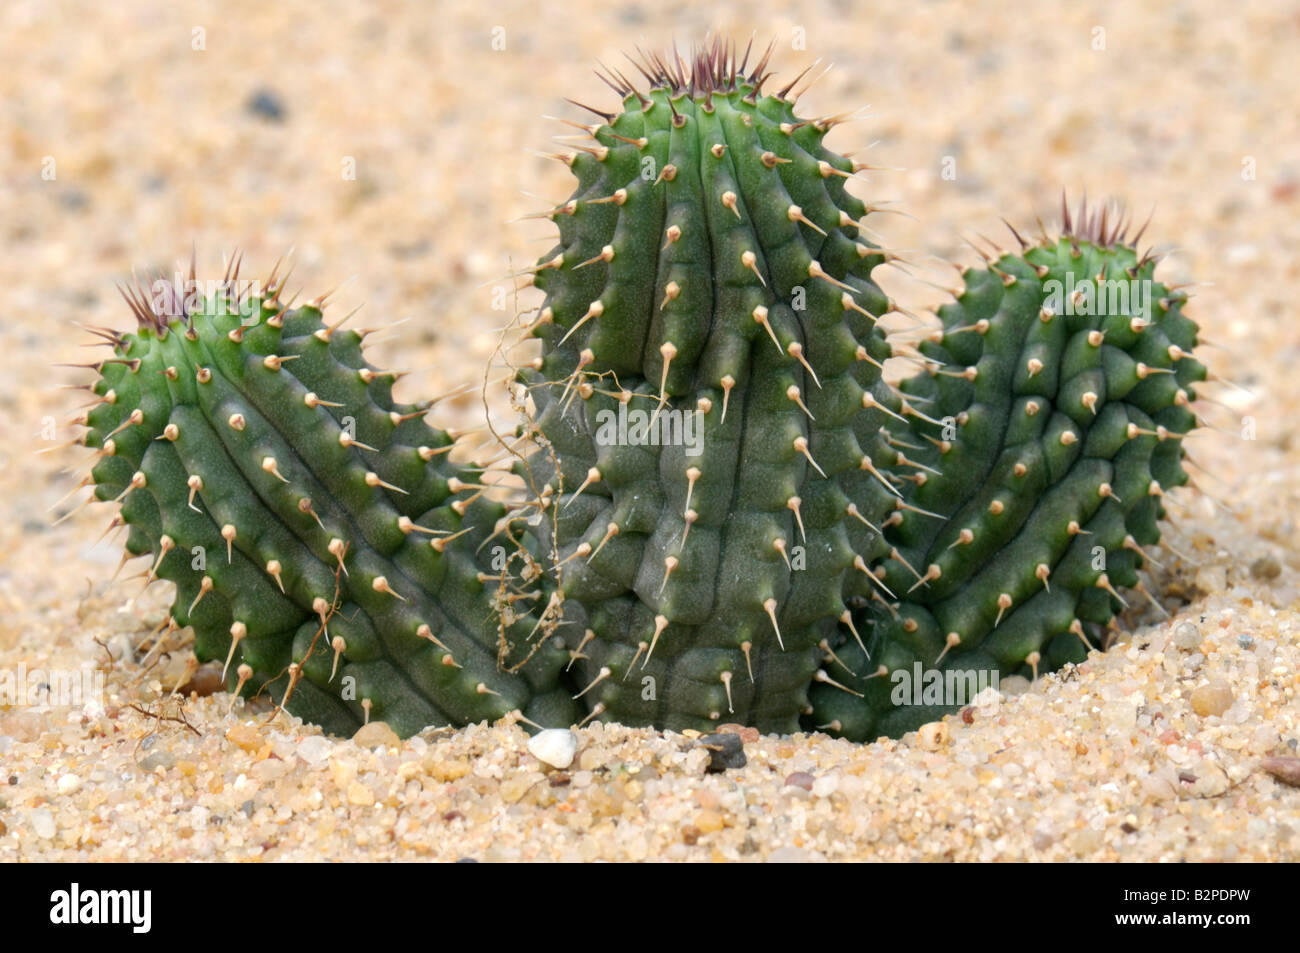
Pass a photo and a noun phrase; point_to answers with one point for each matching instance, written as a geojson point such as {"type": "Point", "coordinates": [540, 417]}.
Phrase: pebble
{"type": "Point", "coordinates": [22, 725]}
{"type": "Point", "coordinates": [725, 752]}
{"type": "Point", "coordinates": [1012, 685]}
{"type": "Point", "coordinates": [269, 770]}
{"type": "Point", "coordinates": [1286, 770]}
{"type": "Point", "coordinates": [1186, 637]}
{"type": "Point", "coordinates": [68, 784]}
{"type": "Point", "coordinates": [1245, 642]}
{"type": "Point", "coordinates": [747, 734]}
{"type": "Point", "coordinates": [1210, 780]}
{"type": "Point", "coordinates": [826, 785]}
{"type": "Point", "coordinates": [801, 779]}
{"type": "Point", "coordinates": [43, 823]}
{"type": "Point", "coordinates": [244, 736]}
{"type": "Point", "coordinates": [515, 787]}
{"type": "Point", "coordinates": [205, 681]}
{"type": "Point", "coordinates": [266, 104]}
{"type": "Point", "coordinates": [315, 748]}
{"type": "Point", "coordinates": [1211, 579]}
{"type": "Point", "coordinates": [360, 795]}
{"type": "Point", "coordinates": [377, 734]}
{"type": "Point", "coordinates": [986, 702]}
{"type": "Point", "coordinates": [931, 736]}
{"type": "Point", "coordinates": [158, 759]}
{"type": "Point", "coordinates": [1212, 699]}
{"type": "Point", "coordinates": [554, 746]}
{"type": "Point", "coordinates": [707, 821]}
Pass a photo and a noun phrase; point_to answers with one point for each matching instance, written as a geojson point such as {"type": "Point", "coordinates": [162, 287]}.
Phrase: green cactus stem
{"type": "Point", "coordinates": [710, 277]}
{"type": "Point", "coordinates": [1059, 398]}
{"type": "Point", "coordinates": [321, 542]}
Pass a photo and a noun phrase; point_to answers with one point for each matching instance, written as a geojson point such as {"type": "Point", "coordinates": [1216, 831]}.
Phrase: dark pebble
{"type": "Point", "coordinates": [266, 105]}
{"type": "Point", "coordinates": [725, 752]}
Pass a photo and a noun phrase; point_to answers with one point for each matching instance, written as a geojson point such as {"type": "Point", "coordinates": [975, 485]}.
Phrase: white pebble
{"type": "Point", "coordinates": [554, 746]}
{"type": "Point", "coordinates": [1212, 579]}
{"type": "Point", "coordinates": [69, 784]}
{"type": "Point", "coordinates": [826, 785]}
{"type": "Point", "coordinates": [43, 823]}
{"type": "Point", "coordinates": [1186, 637]}
{"type": "Point", "coordinates": [1013, 685]}
{"type": "Point", "coordinates": [315, 749]}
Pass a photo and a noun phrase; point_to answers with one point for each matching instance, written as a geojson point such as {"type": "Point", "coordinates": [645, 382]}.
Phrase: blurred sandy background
{"type": "Point", "coordinates": [130, 130]}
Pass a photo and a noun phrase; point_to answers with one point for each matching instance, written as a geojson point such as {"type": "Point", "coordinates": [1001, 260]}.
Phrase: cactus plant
{"type": "Point", "coordinates": [724, 501]}
{"type": "Point", "coordinates": [320, 541]}
{"type": "Point", "coordinates": [1058, 402]}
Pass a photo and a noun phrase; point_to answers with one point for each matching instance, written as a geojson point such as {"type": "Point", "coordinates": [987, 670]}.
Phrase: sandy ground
{"type": "Point", "coordinates": [126, 133]}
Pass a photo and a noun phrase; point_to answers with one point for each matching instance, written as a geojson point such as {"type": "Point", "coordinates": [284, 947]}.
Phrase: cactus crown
{"type": "Point", "coordinates": [730, 514]}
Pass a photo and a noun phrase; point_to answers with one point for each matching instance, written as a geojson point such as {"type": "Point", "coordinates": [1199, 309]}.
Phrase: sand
{"type": "Point", "coordinates": [123, 143]}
